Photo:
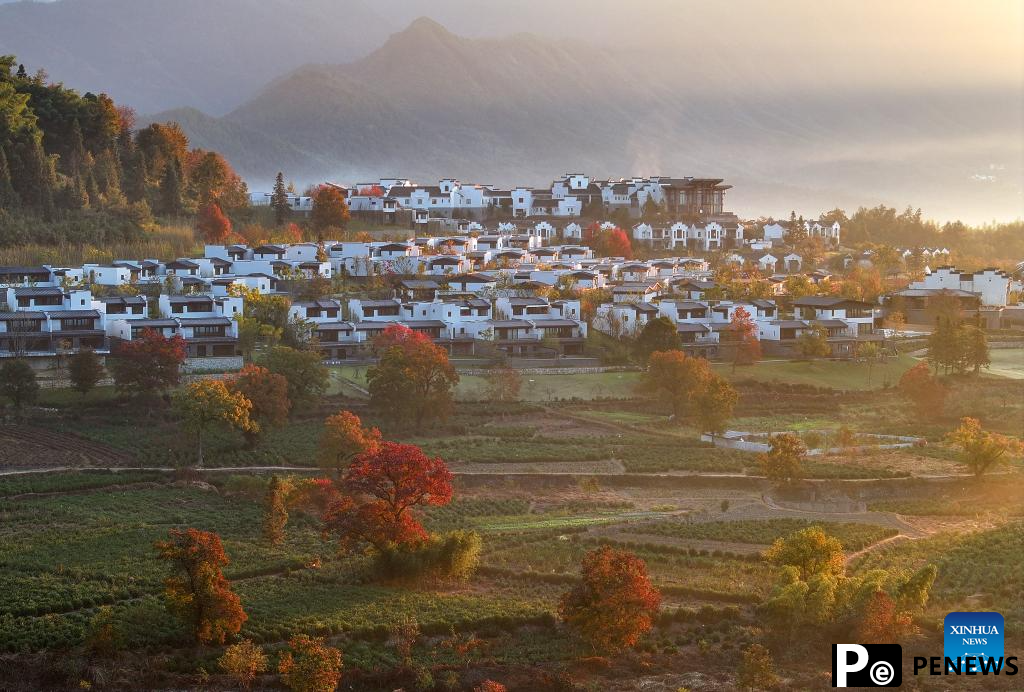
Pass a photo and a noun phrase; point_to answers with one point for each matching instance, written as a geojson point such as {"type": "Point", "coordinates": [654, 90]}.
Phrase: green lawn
{"type": "Point", "coordinates": [846, 375]}
{"type": "Point", "coordinates": [1007, 362]}
{"type": "Point", "coordinates": [535, 387]}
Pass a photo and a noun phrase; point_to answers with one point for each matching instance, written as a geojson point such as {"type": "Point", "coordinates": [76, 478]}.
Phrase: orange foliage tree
{"type": "Point", "coordinates": [413, 378]}
{"type": "Point", "coordinates": [882, 622]}
{"type": "Point", "coordinates": [614, 603]}
{"type": "Point", "coordinates": [784, 459]}
{"type": "Point", "coordinates": [330, 210]}
{"type": "Point", "coordinates": [201, 595]}
{"type": "Point", "coordinates": [310, 665]}
{"type": "Point", "coordinates": [243, 661]}
{"type": "Point", "coordinates": [919, 386]}
{"type": "Point", "coordinates": [268, 394]}
{"type": "Point", "coordinates": [677, 378]}
{"type": "Point", "coordinates": [980, 450]}
{"type": "Point", "coordinates": [343, 439]}
{"type": "Point", "coordinates": [743, 333]}
{"type": "Point", "coordinates": [214, 226]}
{"type": "Point", "coordinates": [379, 492]}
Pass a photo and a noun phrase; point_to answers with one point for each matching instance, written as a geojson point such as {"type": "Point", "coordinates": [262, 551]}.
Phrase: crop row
{"type": "Point", "coordinates": [853, 536]}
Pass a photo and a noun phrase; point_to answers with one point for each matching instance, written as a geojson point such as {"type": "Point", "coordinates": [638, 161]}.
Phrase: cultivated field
{"type": "Point", "coordinates": [543, 482]}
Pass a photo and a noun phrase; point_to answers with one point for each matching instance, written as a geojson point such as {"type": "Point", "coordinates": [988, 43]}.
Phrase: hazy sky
{"type": "Point", "coordinates": [865, 41]}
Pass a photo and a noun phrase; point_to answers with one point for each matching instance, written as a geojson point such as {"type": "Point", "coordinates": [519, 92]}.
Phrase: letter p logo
{"type": "Point", "coordinates": [841, 664]}
{"type": "Point", "coordinates": [871, 665]}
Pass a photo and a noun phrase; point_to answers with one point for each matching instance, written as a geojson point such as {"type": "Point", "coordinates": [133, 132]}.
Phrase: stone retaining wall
{"type": "Point", "coordinates": [217, 364]}
{"type": "Point", "coordinates": [555, 370]}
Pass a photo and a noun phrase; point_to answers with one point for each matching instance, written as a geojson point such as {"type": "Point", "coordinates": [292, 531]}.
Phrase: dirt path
{"type": "Point", "coordinates": [888, 519]}
{"type": "Point", "coordinates": [875, 546]}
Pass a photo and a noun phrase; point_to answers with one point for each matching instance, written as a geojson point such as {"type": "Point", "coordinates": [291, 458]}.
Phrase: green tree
{"type": "Point", "coordinates": [279, 201]}
{"type": "Point", "coordinates": [8, 197]}
{"type": "Point", "coordinates": [85, 370]}
{"type": "Point", "coordinates": [170, 190]}
{"type": "Point", "coordinates": [658, 334]}
{"type": "Point", "coordinates": [18, 382]}
{"type": "Point", "coordinates": [975, 345]}
{"type": "Point", "coordinates": [811, 551]}
{"type": "Point", "coordinates": [870, 353]}
{"type": "Point", "coordinates": [208, 402]}
{"type": "Point", "coordinates": [756, 671]}
{"type": "Point", "coordinates": [813, 343]}
{"type": "Point", "coordinates": [275, 510]}
{"type": "Point", "coordinates": [714, 404]}
{"type": "Point", "coordinates": [304, 370]}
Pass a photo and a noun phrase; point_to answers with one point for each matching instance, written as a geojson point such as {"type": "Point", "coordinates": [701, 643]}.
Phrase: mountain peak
{"type": "Point", "coordinates": [425, 26]}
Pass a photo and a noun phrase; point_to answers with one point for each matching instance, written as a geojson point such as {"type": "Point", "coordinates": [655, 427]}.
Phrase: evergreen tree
{"type": "Point", "coordinates": [36, 184]}
{"type": "Point", "coordinates": [135, 176]}
{"type": "Point", "coordinates": [976, 348]}
{"type": "Point", "coordinates": [76, 155]}
{"type": "Point", "coordinates": [22, 74]}
{"type": "Point", "coordinates": [170, 190]}
{"type": "Point", "coordinates": [8, 197]}
{"type": "Point", "coordinates": [279, 201]}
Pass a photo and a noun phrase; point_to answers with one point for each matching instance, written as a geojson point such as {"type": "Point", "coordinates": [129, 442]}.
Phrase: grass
{"type": "Point", "coordinates": [843, 375]}
{"type": "Point", "coordinates": [73, 481]}
{"type": "Point", "coordinates": [586, 386]}
{"type": "Point", "coordinates": [976, 571]}
{"type": "Point", "coordinates": [1007, 362]}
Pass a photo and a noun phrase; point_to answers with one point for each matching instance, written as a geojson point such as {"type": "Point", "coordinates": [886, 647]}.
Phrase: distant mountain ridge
{"type": "Point", "coordinates": [521, 109]}
{"type": "Point", "coordinates": [212, 54]}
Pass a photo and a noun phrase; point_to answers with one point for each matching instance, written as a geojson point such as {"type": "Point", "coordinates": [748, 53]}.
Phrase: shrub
{"type": "Point", "coordinates": [243, 661]}
{"type": "Point", "coordinates": [453, 555]}
{"type": "Point", "coordinates": [310, 665]}
{"type": "Point", "coordinates": [756, 671]}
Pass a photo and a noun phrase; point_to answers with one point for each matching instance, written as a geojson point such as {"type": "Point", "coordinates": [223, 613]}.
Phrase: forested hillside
{"type": "Point", "coordinates": [74, 170]}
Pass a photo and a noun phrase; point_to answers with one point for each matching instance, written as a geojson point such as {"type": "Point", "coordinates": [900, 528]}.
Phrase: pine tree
{"type": "Point", "coordinates": [8, 197]}
{"type": "Point", "coordinates": [22, 74]}
{"type": "Point", "coordinates": [36, 184]}
{"type": "Point", "coordinates": [279, 201]}
{"type": "Point", "coordinates": [135, 176]}
{"type": "Point", "coordinates": [170, 190]}
{"type": "Point", "coordinates": [76, 155]}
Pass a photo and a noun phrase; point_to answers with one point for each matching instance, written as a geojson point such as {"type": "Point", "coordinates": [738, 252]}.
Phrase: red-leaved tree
{"type": "Point", "coordinates": [919, 386]}
{"type": "Point", "coordinates": [614, 603]}
{"type": "Point", "coordinates": [616, 244]}
{"type": "Point", "coordinates": [743, 333]}
{"type": "Point", "coordinates": [413, 379]}
{"type": "Point", "coordinates": [379, 493]}
{"type": "Point", "coordinates": [149, 363]}
{"type": "Point", "coordinates": [200, 594]}
{"type": "Point", "coordinates": [214, 226]}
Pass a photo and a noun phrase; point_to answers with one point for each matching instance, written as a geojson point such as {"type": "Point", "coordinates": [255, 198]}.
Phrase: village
{"type": "Point", "coordinates": [531, 287]}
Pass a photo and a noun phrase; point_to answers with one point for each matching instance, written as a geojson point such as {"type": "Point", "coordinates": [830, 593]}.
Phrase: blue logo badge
{"type": "Point", "coordinates": [978, 636]}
